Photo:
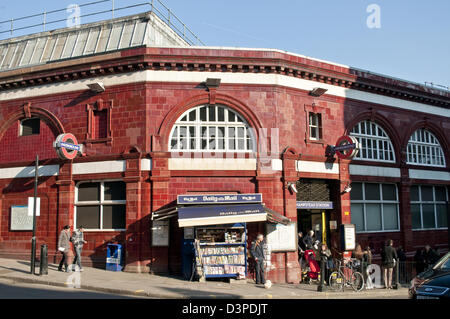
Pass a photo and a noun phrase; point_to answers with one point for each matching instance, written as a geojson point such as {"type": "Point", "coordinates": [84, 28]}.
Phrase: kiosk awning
{"type": "Point", "coordinates": [220, 214]}
{"type": "Point", "coordinates": [224, 214]}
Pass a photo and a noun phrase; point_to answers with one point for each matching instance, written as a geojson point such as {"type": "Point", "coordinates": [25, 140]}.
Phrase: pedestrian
{"type": "Point", "coordinates": [301, 252]}
{"type": "Point", "coordinates": [325, 254]}
{"type": "Point", "coordinates": [257, 252]}
{"type": "Point", "coordinates": [64, 248]}
{"type": "Point", "coordinates": [419, 259]}
{"type": "Point", "coordinates": [309, 240]}
{"type": "Point", "coordinates": [431, 256]}
{"type": "Point", "coordinates": [388, 259]}
{"type": "Point", "coordinates": [78, 241]}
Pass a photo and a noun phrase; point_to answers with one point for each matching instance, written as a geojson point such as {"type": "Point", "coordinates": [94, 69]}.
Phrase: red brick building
{"type": "Point", "coordinates": [160, 129]}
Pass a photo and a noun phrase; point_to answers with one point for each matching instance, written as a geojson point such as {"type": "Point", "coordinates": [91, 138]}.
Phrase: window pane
{"type": "Point", "coordinates": [192, 115]}
{"type": "Point", "coordinates": [114, 217]}
{"type": "Point", "coordinates": [88, 217]}
{"type": "Point", "coordinates": [203, 114]}
{"type": "Point", "coordinates": [427, 193]}
{"type": "Point", "coordinates": [115, 191]}
{"type": "Point", "coordinates": [428, 216]}
{"type": "Point", "coordinates": [89, 192]}
{"type": "Point", "coordinates": [212, 113]}
{"type": "Point", "coordinates": [415, 215]}
{"type": "Point", "coordinates": [389, 192]}
{"type": "Point", "coordinates": [356, 192]}
{"type": "Point", "coordinates": [414, 193]}
{"type": "Point", "coordinates": [357, 216]}
{"type": "Point", "coordinates": [372, 191]}
{"type": "Point", "coordinates": [390, 217]}
{"type": "Point", "coordinates": [440, 193]}
{"type": "Point", "coordinates": [220, 114]}
{"type": "Point", "coordinates": [30, 127]}
{"type": "Point", "coordinates": [441, 211]}
{"type": "Point", "coordinates": [231, 116]}
{"type": "Point", "coordinates": [373, 215]}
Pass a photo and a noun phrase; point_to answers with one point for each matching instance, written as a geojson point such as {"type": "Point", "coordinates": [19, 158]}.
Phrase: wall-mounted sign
{"type": "Point", "coordinates": [348, 236]}
{"type": "Point", "coordinates": [20, 220]}
{"type": "Point", "coordinates": [282, 237]}
{"type": "Point", "coordinates": [160, 233]}
{"type": "Point", "coordinates": [66, 146]}
{"type": "Point", "coordinates": [346, 147]}
{"type": "Point", "coordinates": [219, 199]}
{"type": "Point", "coordinates": [314, 205]}
{"type": "Point", "coordinates": [31, 205]}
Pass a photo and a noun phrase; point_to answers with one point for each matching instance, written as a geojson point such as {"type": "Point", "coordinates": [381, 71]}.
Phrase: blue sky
{"type": "Point", "coordinates": [413, 41]}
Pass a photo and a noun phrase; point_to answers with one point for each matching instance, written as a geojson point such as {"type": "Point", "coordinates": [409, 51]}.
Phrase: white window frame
{"type": "Point", "coordinates": [314, 126]}
{"type": "Point", "coordinates": [381, 202]}
{"type": "Point", "coordinates": [100, 203]}
{"type": "Point", "coordinates": [429, 146]}
{"type": "Point", "coordinates": [249, 134]}
{"type": "Point", "coordinates": [374, 139]}
{"type": "Point", "coordinates": [434, 203]}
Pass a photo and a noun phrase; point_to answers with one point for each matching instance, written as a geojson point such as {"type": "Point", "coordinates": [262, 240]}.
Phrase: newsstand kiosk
{"type": "Point", "coordinates": [215, 232]}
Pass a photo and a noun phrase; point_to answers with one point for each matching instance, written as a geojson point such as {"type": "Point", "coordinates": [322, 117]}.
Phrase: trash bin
{"type": "Point", "coordinates": [114, 257]}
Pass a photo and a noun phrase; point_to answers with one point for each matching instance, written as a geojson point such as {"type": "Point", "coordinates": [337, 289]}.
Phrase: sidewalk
{"type": "Point", "coordinates": [154, 286]}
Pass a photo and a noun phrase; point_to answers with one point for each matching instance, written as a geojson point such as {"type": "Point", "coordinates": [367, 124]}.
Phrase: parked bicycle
{"type": "Point", "coordinates": [346, 275]}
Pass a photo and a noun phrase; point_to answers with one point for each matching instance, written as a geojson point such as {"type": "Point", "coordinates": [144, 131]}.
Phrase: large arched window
{"type": "Point", "coordinates": [375, 144]}
{"type": "Point", "coordinates": [425, 149]}
{"type": "Point", "coordinates": [212, 128]}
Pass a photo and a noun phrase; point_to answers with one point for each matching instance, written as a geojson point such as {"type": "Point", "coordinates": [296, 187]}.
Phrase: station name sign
{"type": "Point", "coordinates": [219, 199]}
{"type": "Point", "coordinates": [314, 205]}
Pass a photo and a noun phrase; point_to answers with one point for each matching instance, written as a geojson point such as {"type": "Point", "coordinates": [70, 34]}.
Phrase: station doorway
{"type": "Point", "coordinates": [316, 220]}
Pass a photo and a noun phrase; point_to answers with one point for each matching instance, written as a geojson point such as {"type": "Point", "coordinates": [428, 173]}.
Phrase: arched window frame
{"type": "Point", "coordinates": [424, 149]}
{"type": "Point", "coordinates": [374, 146]}
{"type": "Point", "coordinates": [189, 131]}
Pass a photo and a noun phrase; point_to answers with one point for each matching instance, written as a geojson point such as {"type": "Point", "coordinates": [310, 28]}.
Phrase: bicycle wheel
{"type": "Point", "coordinates": [357, 281]}
{"type": "Point", "coordinates": [336, 281]}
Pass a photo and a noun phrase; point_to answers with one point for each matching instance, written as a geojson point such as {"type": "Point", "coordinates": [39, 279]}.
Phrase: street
{"type": "Point", "coordinates": [9, 289]}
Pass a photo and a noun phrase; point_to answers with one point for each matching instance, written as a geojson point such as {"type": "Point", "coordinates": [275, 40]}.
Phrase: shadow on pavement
{"type": "Point", "coordinates": [201, 294]}
{"type": "Point", "coordinates": [18, 292]}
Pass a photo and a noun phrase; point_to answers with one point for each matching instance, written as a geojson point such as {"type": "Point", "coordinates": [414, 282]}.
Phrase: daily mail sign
{"type": "Point", "coordinates": [218, 199]}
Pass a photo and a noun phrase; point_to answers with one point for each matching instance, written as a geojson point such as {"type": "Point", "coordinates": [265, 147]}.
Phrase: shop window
{"type": "Point", "coordinates": [375, 144]}
{"type": "Point", "coordinates": [374, 207]}
{"type": "Point", "coordinates": [101, 206]}
{"type": "Point", "coordinates": [315, 126]}
{"type": "Point", "coordinates": [424, 149]}
{"type": "Point", "coordinates": [429, 207]}
{"type": "Point", "coordinates": [30, 127]}
{"type": "Point", "coordinates": [212, 128]}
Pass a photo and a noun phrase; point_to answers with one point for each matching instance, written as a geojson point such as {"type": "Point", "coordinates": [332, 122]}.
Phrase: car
{"type": "Point", "coordinates": [437, 287]}
{"type": "Point", "coordinates": [440, 268]}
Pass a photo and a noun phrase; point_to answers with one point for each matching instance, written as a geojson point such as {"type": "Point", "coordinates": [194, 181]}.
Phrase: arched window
{"type": "Point", "coordinates": [212, 128]}
{"type": "Point", "coordinates": [375, 144]}
{"type": "Point", "coordinates": [425, 149]}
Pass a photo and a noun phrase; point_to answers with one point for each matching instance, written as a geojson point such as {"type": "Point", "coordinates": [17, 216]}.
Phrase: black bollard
{"type": "Point", "coordinates": [397, 281]}
{"type": "Point", "coordinates": [43, 267]}
{"type": "Point", "coordinates": [321, 286]}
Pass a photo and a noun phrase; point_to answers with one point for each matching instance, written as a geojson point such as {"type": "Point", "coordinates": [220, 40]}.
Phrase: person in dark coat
{"type": "Point", "coordinates": [309, 240]}
{"type": "Point", "coordinates": [431, 256]}
{"type": "Point", "coordinates": [419, 259]}
{"type": "Point", "coordinates": [257, 252]}
{"type": "Point", "coordinates": [388, 259]}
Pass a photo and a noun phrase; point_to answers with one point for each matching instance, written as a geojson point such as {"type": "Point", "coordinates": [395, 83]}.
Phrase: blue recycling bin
{"type": "Point", "coordinates": [114, 260]}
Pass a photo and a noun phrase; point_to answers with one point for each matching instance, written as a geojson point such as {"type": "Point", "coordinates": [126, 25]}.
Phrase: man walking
{"type": "Point", "coordinates": [388, 259]}
{"type": "Point", "coordinates": [257, 252]}
{"type": "Point", "coordinates": [78, 241]}
{"type": "Point", "coordinates": [64, 247]}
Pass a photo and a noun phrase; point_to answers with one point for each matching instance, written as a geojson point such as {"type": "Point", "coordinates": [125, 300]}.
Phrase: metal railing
{"type": "Point", "coordinates": [40, 22]}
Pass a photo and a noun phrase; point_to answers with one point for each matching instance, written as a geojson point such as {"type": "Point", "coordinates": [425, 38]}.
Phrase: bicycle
{"type": "Point", "coordinates": [346, 275]}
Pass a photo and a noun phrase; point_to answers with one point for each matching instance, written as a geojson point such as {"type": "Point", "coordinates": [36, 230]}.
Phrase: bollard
{"type": "Point", "coordinates": [43, 267]}
{"type": "Point", "coordinates": [321, 286]}
{"type": "Point", "coordinates": [397, 283]}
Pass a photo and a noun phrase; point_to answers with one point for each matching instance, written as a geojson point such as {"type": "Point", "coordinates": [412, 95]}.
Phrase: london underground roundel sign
{"type": "Point", "coordinates": [66, 146]}
{"type": "Point", "coordinates": [346, 147]}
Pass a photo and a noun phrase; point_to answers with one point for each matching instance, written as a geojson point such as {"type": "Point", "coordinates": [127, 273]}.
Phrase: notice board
{"type": "Point", "coordinates": [20, 221]}
{"type": "Point", "coordinates": [160, 233]}
{"type": "Point", "coordinates": [282, 237]}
